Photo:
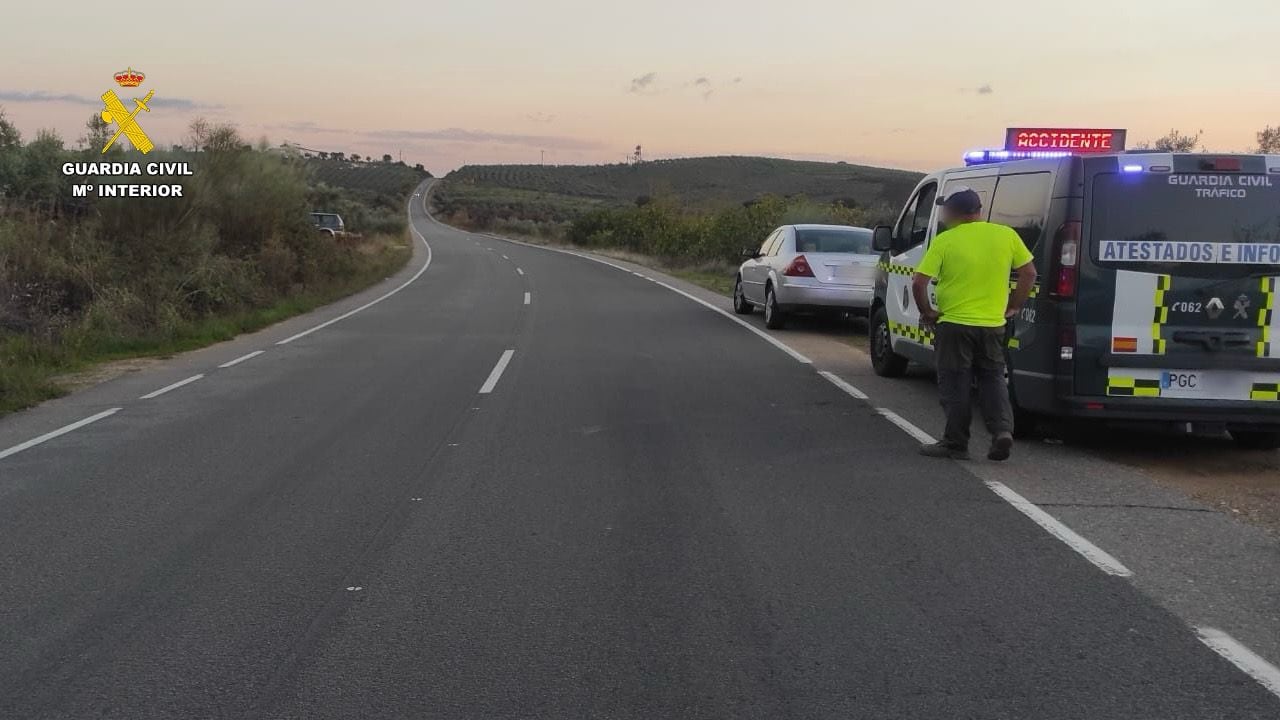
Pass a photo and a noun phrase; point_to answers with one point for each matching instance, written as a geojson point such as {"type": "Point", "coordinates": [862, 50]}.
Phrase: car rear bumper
{"type": "Point", "coordinates": [792, 295]}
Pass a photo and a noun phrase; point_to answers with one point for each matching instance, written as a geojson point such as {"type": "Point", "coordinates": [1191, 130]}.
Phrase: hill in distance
{"type": "Point", "coordinates": [706, 181]}
{"type": "Point", "coordinates": [379, 178]}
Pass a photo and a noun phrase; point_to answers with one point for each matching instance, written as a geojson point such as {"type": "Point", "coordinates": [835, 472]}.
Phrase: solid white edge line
{"type": "Point", "coordinates": [371, 303]}
{"type": "Point", "coordinates": [527, 297]}
{"type": "Point", "coordinates": [762, 334]}
{"type": "Point", "coordinates": [840, 383]}
{"type": "Point", "coordinates": [496, 374]}
{"type": "Point", "coordinates": [518, 270]}
{"type": "Point", "coordinates": [242, 358]}
{"type": "Point", "coordinates": [174, 386]}
{"type": "Point", "coordinates": [907, 426]}
{"type": "Point", "coordinates": [1251, 663]}
{"type": "Point", "coordinates": [56, 433]}
{"type": "Point", "coordinates": [1091, 552]}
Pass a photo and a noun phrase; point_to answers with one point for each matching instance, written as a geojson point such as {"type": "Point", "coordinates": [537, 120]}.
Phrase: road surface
{"type": "Point", "coordinates": [529, 485]}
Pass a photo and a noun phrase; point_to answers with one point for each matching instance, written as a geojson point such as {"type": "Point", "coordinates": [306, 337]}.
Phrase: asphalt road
{"type": "Point", "coordinates": [644, 512]}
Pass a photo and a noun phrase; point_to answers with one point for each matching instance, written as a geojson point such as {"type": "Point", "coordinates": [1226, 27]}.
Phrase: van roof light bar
{"type": "Point", "coordinates": [986, 157]}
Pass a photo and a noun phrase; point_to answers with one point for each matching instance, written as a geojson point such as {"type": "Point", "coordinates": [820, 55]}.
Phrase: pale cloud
{"type": "Point", "coordinates": [644, 83]}
{"type": "Point", "coordinates": [39, 96]}
{"type": "Point", "coordinates": [447, 135]}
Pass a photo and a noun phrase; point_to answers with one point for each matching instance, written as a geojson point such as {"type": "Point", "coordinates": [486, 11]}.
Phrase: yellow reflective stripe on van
{"type": "Point", "coordinates": [1264, 316]}
{"type": "Point", "coordinates": [1035, 289]}
{"type": "Point", "coordinates": [894, 269]}
{"type": "Point", "coordinates": [1132, 387]}
{"type": "Point", "coordinates": [1161, 314]}
{"type": "Point", "coordinates": [911, 332]}
{"type": "Point", "coordinates": [1265, 391]}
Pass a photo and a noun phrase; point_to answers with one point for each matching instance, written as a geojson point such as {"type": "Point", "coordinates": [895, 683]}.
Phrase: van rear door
{"type": "Point", "coordinates": [1180, 299]}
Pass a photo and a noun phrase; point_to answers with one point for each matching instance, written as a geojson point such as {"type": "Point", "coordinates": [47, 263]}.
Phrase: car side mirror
{"type": "Point", "coordinates": [882, 238]}
{"type": "Point", "coordinates": [750, 254]}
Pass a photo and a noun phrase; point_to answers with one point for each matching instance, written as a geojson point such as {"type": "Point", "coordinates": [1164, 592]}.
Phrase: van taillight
{"type": "Point", "coordinates": [1067, 241]}
{"type": "Point", "coordinates": [798, 268]}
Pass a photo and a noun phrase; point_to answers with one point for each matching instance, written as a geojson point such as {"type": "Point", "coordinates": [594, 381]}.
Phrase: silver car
{"type": "Point", "coordinates": [807, 268]}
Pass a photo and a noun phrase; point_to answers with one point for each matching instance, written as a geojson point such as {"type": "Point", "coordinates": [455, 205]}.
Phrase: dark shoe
{"type": "Point", "coordinates": [943, 450]}
{"type": "Point", "coordinates": [1001, 446]}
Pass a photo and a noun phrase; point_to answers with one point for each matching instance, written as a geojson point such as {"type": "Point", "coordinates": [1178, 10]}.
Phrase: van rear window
{"type": "Point", "coordinates": [1201, 225]}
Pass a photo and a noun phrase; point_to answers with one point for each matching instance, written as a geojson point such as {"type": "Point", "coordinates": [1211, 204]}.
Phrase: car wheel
{"type": "Point", "coordinates": [774, 318]}
{"type": "Point", "coordinates": [1257, 439]}
{"type": "Point", "coordinates": [741, 304]}
{"type": "Point", "coordinates": [884, 360]}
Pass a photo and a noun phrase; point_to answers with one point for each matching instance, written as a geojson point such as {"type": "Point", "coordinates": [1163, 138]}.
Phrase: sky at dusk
{"type": "Point", "coordinates": [895, 84]}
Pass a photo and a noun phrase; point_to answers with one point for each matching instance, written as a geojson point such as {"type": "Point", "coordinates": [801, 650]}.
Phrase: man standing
{"type": "Point", "coordinates": [972, 261]}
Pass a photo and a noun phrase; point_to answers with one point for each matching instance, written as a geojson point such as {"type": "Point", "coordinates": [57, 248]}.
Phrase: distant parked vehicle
{"type": "Point", "coordinates": [807, 268]}
{"type": "Point", "coordinates": [329, 223]}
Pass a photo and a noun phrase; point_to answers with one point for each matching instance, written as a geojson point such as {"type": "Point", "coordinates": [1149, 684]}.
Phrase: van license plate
{"type": "Point", "coordinates": [1196, 384]}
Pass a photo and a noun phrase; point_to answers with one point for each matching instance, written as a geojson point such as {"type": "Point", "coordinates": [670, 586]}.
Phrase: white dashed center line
{"type": "Point", "coordinates": [496, 375]}
{"type": "Point", "coordinates": [527, 297]}
{"type": "Point", "coordinates": [519, 271]}
{"type": "Point", "coordinates": [174, 386]}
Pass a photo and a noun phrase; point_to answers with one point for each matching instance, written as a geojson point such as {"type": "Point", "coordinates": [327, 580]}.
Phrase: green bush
{"type": "Point", "coordinates": [665, 230]}
{"type": "Point", "coordinates": [90, 279]}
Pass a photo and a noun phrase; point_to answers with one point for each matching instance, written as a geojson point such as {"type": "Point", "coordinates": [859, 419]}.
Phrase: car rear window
{"type": "Point", "coordinates": [834, 240]}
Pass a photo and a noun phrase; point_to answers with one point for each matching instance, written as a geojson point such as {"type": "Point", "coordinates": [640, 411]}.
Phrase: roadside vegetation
{"type": "Point", "coordinates": [85, 280]}
{"type": "Point", "coordinates": [691, 217]}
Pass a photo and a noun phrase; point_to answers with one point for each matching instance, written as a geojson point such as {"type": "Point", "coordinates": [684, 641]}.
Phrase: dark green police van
{"type": "Point", "coordinates": [1157, 292]}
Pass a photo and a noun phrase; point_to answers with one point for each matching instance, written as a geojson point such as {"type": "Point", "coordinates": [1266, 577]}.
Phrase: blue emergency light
{"type": "Point", "coordinates": [985, 157]}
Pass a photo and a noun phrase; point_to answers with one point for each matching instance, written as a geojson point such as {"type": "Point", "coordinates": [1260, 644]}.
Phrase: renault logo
{"type": "Point", "coordinates": [1214, 308]}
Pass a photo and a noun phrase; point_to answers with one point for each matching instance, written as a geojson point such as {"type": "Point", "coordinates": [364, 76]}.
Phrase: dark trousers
{"type": "Point", "coordinates": [965, 354]}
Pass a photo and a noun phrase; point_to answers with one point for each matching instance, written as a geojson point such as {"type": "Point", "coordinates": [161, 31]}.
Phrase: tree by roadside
{"type": "Point", "coordinates": [96, 134]}
{"type": "Point", "coordinates": [10, 154]}
{"type": "Point", "coordinates": [1269, 140]}
{"type": "Point", "coordinates": [9, 135]}
{"type": "Point", "coordinates": [1175, 141]}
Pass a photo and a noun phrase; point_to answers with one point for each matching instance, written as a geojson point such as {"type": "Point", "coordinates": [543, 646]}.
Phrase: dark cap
{"type": "Point", "coordinates": [963, 201]}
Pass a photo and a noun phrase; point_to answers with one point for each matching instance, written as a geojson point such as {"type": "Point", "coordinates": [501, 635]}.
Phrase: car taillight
{"type": "Point", "coordinates": [1067, 241]}
{"type": "Point", "coordinates": [798, 268]}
